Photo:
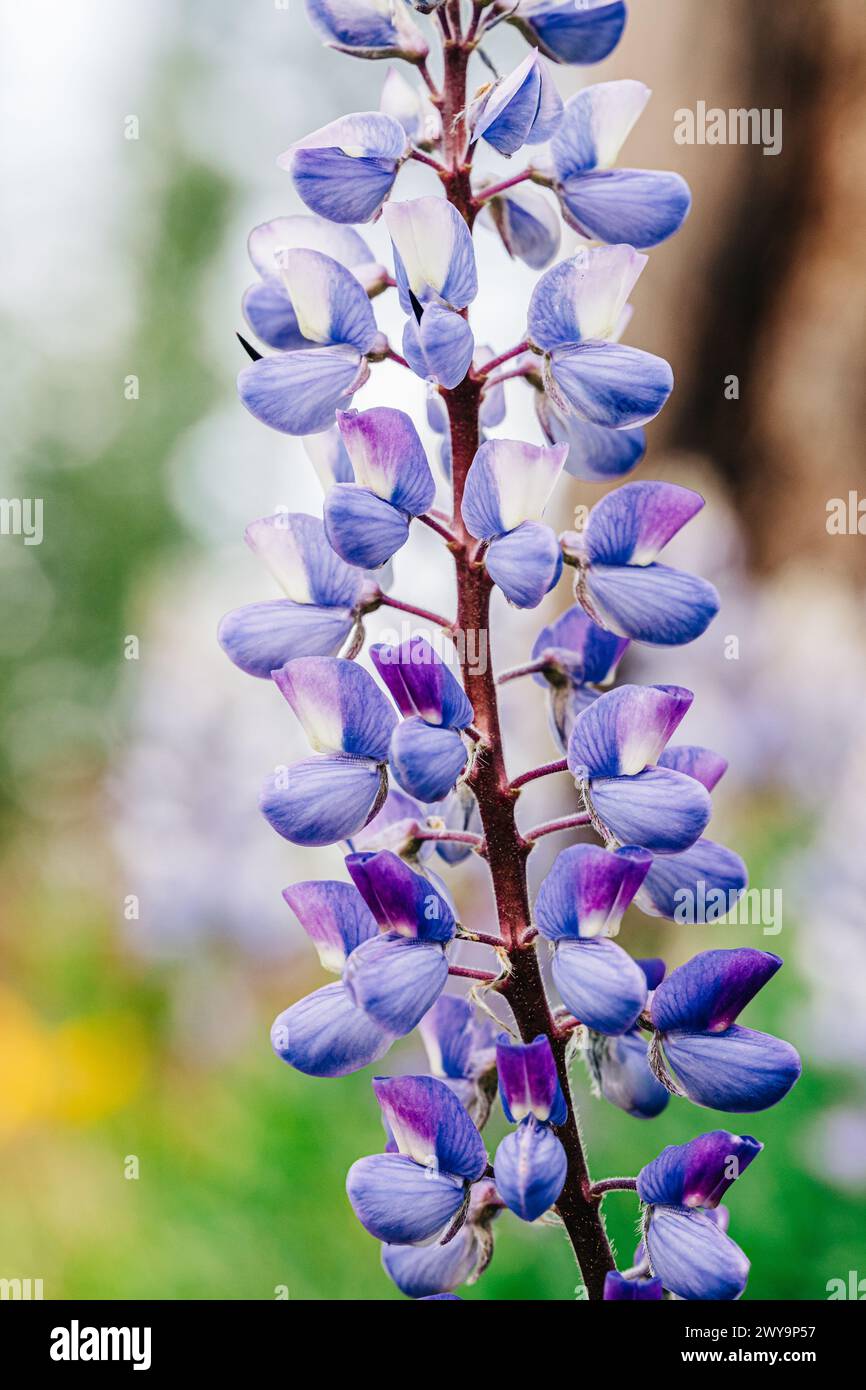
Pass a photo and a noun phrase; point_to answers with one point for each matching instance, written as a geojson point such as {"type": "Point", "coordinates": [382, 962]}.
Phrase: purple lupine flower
{"type": "Point", "coordinates": [267, 305]}
{"type": "Point", "coordinates": [299, 392]}
{"type": "Point", "coordinates": [569, 32]}
{"type": "Point", "coordinates": [427, 751]}
{"type": "Point", "coordinates": [687, 1249]}
{"type": "Point", "coordinates": [412, 108]}
{"type": "Point", "coordinates": [575, 311]}
{"type": "Point", "coordinates": [619, 580]}
{"type": "Point", "coordinates": [368, 28]}
{"type": "Point", "coordinates": [619, 1066]}
{"type": "Point", "coordinates": [434, 261]}
{"type": "Point", "coordinates": [577, 655]}
{"type": "Point", "coordinates": [638, 206]}
{"type": "Point", "coordinates": [348, 722]}
{"type": "Point", "coordinates": [618, 1288]}
{"type": "Point", "coordinates": [367, 520]}
{"type": "Point", "coordinates": [345, 170]}
{"type": "Point", "coordinates": [324, 598]}
{"type": "Point", "coordinates": [418, 1270]}
{"type": "Point", "coordinates": [595, 454]}
{"type": "Point", "coordinates": [523, 108]}
{"type": "Point", "coordinates": [529, 227]}
{"type": "Point", "coordinates": [461, 1051]}
{"type": "Point", "coordinates": [614, 747]}
{"type": "Point", "coordinates": [579, 907]}
{"type": "Point", "coordinates": [715, 1061]}
{"type": "Point", "coordinates": [530, 1163]}
{"type": "Point", "coordinates": [507, 489]}
{"type": "Point", "coordinates": [407, 1197]}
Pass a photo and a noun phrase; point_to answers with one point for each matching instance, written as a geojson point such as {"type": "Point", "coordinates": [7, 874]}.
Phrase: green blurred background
{"type": "Point", "coordinates": [150, 1144]}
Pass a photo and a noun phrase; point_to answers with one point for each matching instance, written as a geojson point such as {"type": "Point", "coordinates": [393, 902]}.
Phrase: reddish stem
{"type": "Point", "coordinates": [466, 974]}
{"type": "Point", "coordinates": [507, 849]}
{"type": "Point", "coordinates": [436, 618]}
{"type": "Point", "coordinates": [544, 771]}
{"type": "Point", "coordinates": [459, 837]}
{"type": "Point", "coordinates": [564, 823]}
{"type": "Point", "coordinates": [437, 527]}
{"type": "Point", "coordinates": [598, 1189]}
{"type": "Point", "coordinates": [483, 194]}
{"type": "Point", "coordinates": [503, 357]}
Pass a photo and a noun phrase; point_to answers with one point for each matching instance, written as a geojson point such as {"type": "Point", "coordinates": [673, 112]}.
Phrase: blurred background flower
{"type": "Point", "coordinates": [145, 943]}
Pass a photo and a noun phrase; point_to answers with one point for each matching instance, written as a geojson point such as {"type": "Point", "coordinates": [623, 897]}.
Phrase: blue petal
{"type": "Point", "coordinates": [587, 891]}
{"type": "Point", "coordinates": [611, 385]}
{"type": "Point", "coordinates": [299, 392]}
{"type": "Point", "coordinates": [334, 916]}
{"type": "Point", "coordinates": [430, 1125]}
{"type": "Point", "coordinates": [529, 227]}
{"type": "Point", "coordinates": [569, 34]}
{"type": "Point", "coordinates": [262, 636]}
{"type": "Point", "coordinates": [423, 1271]}
{"type": "Point", "coordinates": [708, 767]}
{"type": "Point", "coordinates": [595, 125]}
{"type": "Point", "coordinates": [441, 346]}
{"type": "Point", "coordinates": [268, 243]}
{"type": "Point", "coordinates": [625, 730]}
{"type": "Point", "coordinates": [339, 705]}
{"type": "Point", "coordinates": [699, 1172]}
{"type": "Point", "coordinates": [525, 563]}
{"type": "Point", "coordinates": [363, 529]}
{"type": "Point", "coordinates": [326, 1035]}
{"type": "Point", "coordinates": [426, 759]}
{"type": "Point", "coordinates": [395, 980]}
{"type": "Point", "coordinates": [711, 990]}
{"type": "Point", "coordinates": [625, 1079]}
{"type": "Point", "coordinates": [296, 551]}
{"type": "Point", "coordinates": [650, 603]}
{"type": "Point", "coordinates": [530, 1168]}
{"type": "Point", "coordinates": [529, 1082]}
{"type": "Point", "coordinates": [460, 1042]}
{"type": "Point", "coordinates": [579, 648]}
{"type": "Point", "coordinates": [619, 1289]}
{"type": "Point", "coordinates": [268, 310]}
{"type": "Point", "coordinates": [693, 1257]}
{"type": "Point", "coordinates": [322, 800]}
{"type": "Point", "coordinates": [523, 108]}
{"type": "Point", "coordinates": [601, 985]}
{"type": "Point", "coordinates": [388, 457]}
{"type": "Point", "coordinates": [434, 255]}
{"type": "Point", "coordinates": [367, 28]}
{"type": "Point", "coordinates": [347, 187]}
{"type": "Point", "coordinates": [584, 297]}
{"type": "Point", "coordinates": [421, 683]}
{"type": "Point", "coordinates": [509, 482]}
{"type": "Point", "coordinates": [738, 1070]}
{"type": "Point", "coordinates": [398, 1201]}
{"type": "Point", "coordinates": [403, 902]}
{"type": "Point", "coordinates": [331, 306]}
{"type": "Point", "coordinates": [633, 524]}
{"type": "Point", "coordinates": [640, 206]}
{"type": "Point", "coordinates": [700, 885]}
{"type": "Point", "coordinates": [658, 809]}
{"type": "Point", "coordinates": [595, 454]}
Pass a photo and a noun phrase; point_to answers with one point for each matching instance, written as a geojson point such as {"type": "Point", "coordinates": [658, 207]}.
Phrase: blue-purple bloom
{"type": "Point", "coordinates": [619, 1066]}
{"type": "Point", "coordinates": [579, 907]}
{"type": "Point", "coordinates": [619, 580]}
{"type": "Point", "coordinates": [413, 1194]}
{"type": "Point", "coordinates": [348, 722]}
{"type": "Point", "coordinates": [434, 261]}
{"type": "Point", "coordinates": [618, 1288]}
{"type": "Point", "coordinates": [368, 28]}
{"type": "Point", "coordinates": [689, 1250]}
{"type": "Point", "coordinates": [530, 1163]}
{"type": "Point", "coordinates": [575, 312]}
{"type": "Point", "coordinates": [638, 206]}
{"type": "Point", "coordinates": [713, 1060]}
{"type": "Point", "coordinates": [568, 31]}
{"type": "Point", "coordinates": [346, 170]}
{"type": "Point", "coordinates": [367, 520]}
{"type": "Point", "coordinates": [523, 108]}
{"type": "Point", "coordinates": [323, 605]}
{"type": "Point", "coordinates": [418, 1270]}
{"type": "Point", "coordinates": [507, 489]}
{"type": "Point", "coordinates": [529, 227]}
{"type": "Point", "coordinates": [427, 751]}
{"type": "Point", "coordinates": [461, 1051]}
{"type": "Point", "coordinates": [613, 752]}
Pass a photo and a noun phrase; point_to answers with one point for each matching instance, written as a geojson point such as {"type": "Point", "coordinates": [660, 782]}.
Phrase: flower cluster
{"type": "Point", "coordinates": [406, 758]}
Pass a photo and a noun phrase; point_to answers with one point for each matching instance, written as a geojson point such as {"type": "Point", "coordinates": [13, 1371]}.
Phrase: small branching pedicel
{"type": "Point", "coordinates": [414, 767]}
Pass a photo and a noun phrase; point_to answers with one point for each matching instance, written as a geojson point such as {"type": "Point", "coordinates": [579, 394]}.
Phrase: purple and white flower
{"type": "Point", "coordinates": [569, 32]}
{"type": "Point", "coordinates": [530, 1164]}
{"type": "Point", "coordinates": [427, 751]}
{"type": "Point", "coordinates": [523, 108]}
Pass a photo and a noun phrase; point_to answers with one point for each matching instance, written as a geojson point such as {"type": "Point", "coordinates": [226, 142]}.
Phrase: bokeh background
{"type": "Point", "coordinates": [144, 943]}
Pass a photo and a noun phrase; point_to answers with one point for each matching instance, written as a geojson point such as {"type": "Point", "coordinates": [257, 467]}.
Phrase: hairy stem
{"type": "Point", "coordinates": [507, 849]}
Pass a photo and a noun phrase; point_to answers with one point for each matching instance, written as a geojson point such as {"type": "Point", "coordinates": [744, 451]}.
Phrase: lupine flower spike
{"type": "Point", "coordinates": [407, 774]}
